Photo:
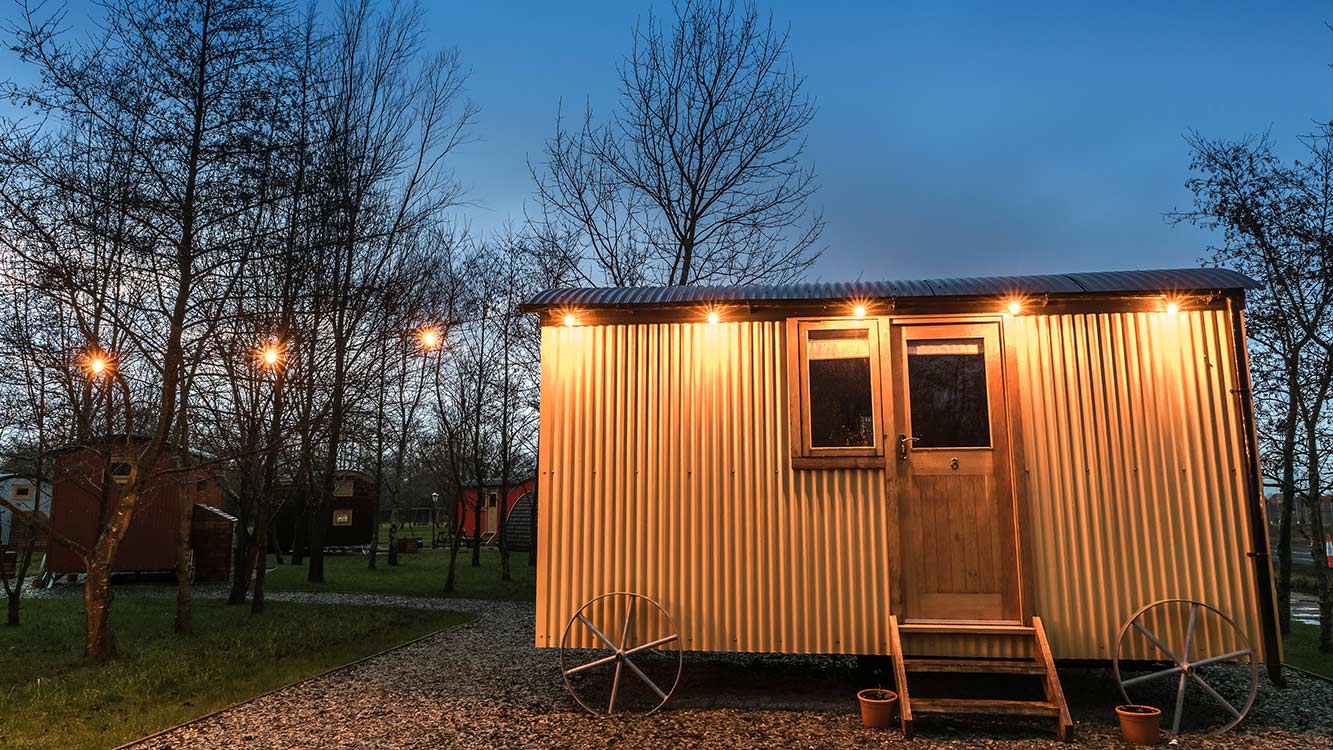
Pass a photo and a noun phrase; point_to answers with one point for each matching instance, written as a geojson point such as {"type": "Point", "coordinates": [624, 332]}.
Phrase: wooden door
{"type": "Point", "coordinates": [948, 455]}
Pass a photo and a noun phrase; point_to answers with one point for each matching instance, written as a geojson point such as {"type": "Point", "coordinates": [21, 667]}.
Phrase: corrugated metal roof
{"type": "Point", "coordinates": [1103, 282]}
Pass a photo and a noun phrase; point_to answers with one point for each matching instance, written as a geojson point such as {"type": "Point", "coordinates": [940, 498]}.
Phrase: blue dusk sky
{"type": "Point", "coordinates": [951, 138]}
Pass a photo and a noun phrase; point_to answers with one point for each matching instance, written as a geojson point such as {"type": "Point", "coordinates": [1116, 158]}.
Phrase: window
{"type": "Point", "coordinates": [491, 498]}
{"type": "Point", "coordinates": [201, 486]}
{"type": "Point", "coordinates": [120, 472]}
{"type": "Point", "coordinates": [22, 491]}
{"type": "Point", "coordinates": [342, 516]}
{"type": "Point", "coordinates": [838, 392]}
{"type": "Point", "coordinates": [342, 488]}
{"type": "Point", "coordinates": [947, 393]}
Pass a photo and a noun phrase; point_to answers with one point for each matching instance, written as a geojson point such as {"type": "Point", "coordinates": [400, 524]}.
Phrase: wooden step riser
{"type": "Point", "coordinates": [984, 707]}
{"type": "Point", "coordinates": [972, 666]}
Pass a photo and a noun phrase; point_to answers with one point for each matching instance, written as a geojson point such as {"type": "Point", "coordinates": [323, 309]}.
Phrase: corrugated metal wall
{"type": "Point", "coordinates": [1134, 464]}
{"type": "Point", "coordinates": [665, 470]}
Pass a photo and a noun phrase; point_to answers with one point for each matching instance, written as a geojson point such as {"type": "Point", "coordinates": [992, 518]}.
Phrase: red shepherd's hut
{"type": "Point", "coordinates": [77, 510]}
{"type": "Point", "coordinates": [517, 511]}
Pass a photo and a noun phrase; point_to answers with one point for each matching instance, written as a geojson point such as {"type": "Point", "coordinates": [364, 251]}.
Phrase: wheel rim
{"type": "Point", "coordinates": [627, 612]}
{"type": "Point", "coordinates": [1184, 670]}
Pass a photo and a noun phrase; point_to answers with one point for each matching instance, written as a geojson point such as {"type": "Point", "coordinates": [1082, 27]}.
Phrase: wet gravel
{"type": "Point", "coordinates": [483, 685]}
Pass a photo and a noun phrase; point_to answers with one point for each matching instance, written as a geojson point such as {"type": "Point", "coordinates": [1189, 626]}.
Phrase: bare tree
{"type": "Point", "coordinates": [1276, 221]}
{"type": "Point", "coordinates": [699, 176]}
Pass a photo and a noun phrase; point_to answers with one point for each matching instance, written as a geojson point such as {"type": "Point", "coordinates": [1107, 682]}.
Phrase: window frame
{"type": "Point", "coordinates": [26, 493]}
{"type": "Point", "coordinates": [804, 454]}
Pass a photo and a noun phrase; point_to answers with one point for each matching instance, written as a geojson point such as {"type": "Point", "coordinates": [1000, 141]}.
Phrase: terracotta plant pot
{"type": "Point", "coordinates": [879, 708]}
{"type": "Point", "coordinates": [1140, 725]}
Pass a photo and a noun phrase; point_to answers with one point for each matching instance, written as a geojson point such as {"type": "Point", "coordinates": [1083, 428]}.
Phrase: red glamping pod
{"type": "Point", "coordinates": [149, 546]}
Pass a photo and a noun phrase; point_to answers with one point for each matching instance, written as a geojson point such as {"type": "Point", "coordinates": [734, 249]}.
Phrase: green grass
{"type": "Point", "coordinates": [1301, 649]}
{"type": "Point", "coordinates": [419, 573]}
{"type": "Point", "coordinates": [51, 697]}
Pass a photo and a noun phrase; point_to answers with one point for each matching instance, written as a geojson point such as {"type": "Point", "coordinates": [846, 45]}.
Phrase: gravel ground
{"type": "Point", "coordinates": [483, 685]}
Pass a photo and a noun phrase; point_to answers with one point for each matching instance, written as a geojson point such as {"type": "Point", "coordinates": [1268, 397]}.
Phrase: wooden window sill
{"type": "Point", "coordinates": [837, 462]}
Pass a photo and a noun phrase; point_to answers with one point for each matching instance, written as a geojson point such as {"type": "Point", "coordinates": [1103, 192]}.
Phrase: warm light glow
{"type": "Point", "coordinates": [97, 365]}
{"type": "Point", "coordinates": [713, 317]}
{"type": "Point", "coordinates": [859, 311]}
{"type": "Point", "coordinates": [1014, 307]}
{"type": "Point", "coordinates": [1172, 308]}
{"type": "Point", "coordinates": [270, 356]}
{"type": "Point", "coordinates": [570, 319]}
{"type": "Point", "coordinates": [430, 338]}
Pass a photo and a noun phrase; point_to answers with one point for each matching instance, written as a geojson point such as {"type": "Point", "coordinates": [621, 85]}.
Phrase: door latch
{"type": "Point", "coordinates": [903, 442]}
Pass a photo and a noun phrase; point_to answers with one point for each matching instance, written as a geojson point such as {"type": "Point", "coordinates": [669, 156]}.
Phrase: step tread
{"type": "Point", "coordinates": [983, 706]}
{"type": "Point", "coordinates": [978, 666]}
{"type": "Point", "coordinates": [931, 628]}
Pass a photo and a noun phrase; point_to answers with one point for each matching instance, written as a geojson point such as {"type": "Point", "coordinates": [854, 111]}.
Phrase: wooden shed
{"type": "Point", "coordinates": [950, 468]}
{"type": "Point", "coordinates": [352, 518]}
{"type": "Point", "coordinates": [149, 545]}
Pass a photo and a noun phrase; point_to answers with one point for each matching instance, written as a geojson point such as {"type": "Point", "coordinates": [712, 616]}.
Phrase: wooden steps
{"type": "Point", "coordinates": [987, 706]}
{"type": "Point", "coordinates": [1040, 664]}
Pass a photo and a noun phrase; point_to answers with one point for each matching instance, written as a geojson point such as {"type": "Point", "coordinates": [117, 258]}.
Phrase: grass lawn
{"type": "Point", "coordinates": [1301, 649]}
{"type": "Point", "coordinates": [417, 574]}
{"type": "Point", "coordinates": [50, 697]}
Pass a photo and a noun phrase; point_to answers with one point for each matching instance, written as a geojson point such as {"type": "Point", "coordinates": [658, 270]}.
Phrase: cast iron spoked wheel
{"type": "Point", "coordinates": [1189, 616]}
{"type": "Point", "coordinates": [635, 660]}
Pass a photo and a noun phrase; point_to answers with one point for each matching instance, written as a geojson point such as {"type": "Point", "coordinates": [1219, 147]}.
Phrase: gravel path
{"type": "Point", "coordinates": [483, 685]}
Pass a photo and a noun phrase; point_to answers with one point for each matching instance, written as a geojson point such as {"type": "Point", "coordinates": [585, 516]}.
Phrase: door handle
{"type": "Point", "coordinates": [903, 442]}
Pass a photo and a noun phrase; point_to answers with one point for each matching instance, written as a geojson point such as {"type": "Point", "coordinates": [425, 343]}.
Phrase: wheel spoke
{"type": "Point", "coordinates": [1224, 657]}
{"type": "Point", "coordinates": [598, 633]}
{"type": "Point", "coordinates": [654, 644]}
{"type": "Point", "coordinates": [629, 619]}
{"type": "Point", "coordinates": [615, 687]}
{"type": "Point", "coordinates": [1180, 702]}
{"type": "Point", "coordinates": [590, 665]}
{"type": "Point", "coordinates": [645, 678]}
{"type": "Point", "coordinates": [1209, 690]}
{"type": "Point", "coordinates": [1157, 642]}
{"type": "Point", "coordinates": [1153, 676]}
{"type": "Point", "coordinates": [1189, 630]}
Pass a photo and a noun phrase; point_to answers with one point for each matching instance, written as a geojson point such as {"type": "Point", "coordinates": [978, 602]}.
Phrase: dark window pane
{"type": "Point", "coordinates": [841, 410]}
{"type": "Point", "coordinates": [947, 383]}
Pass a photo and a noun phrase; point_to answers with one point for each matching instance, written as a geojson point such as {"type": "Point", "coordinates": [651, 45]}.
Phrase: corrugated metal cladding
{"type": "Point", "coordinates": [665, 470]}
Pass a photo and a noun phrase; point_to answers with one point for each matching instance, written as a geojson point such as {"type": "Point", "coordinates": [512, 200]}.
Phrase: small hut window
{"type": "Point", "coordinates": [342, 517]}
{"type": "Point", "coordinates": [343, 488]}
{"type": "Point", "coordinates": [22, 491]}
{"type": "Point", "coordinates": [839, 386]}
{"type": "Point", "coordinates": [120, 472]}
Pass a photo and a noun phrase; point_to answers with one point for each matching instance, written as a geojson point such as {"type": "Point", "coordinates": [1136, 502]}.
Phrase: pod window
{"type": "Point", "coordinates": [120, 472]}
{"type": "Point", "coordinates": [22, 491]}
{"type": "Point", "coordinates": [838, 414]}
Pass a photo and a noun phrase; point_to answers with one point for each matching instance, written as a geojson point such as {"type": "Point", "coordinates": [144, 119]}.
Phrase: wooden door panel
{"type": "Point", "coordinates": [955, 502]}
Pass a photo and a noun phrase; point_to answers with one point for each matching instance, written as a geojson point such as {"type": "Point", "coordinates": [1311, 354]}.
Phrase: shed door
{"type": "Point", "coordinates": [948, 455]}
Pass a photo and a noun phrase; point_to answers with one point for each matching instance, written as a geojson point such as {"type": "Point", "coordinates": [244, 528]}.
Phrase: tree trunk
{"type": "Point", "coordinates": [13, 619]}
{"type": "Point", "coordinates": [240, 560]}
{"type": "Point", "coordinates": [1288, 505]}
{"type": "Point", "coordinates": [261, 558]}
{"type": "Point", "coordinates": [97, 609]}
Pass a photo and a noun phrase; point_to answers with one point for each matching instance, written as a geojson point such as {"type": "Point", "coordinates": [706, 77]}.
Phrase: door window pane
{"type": "Point", "coordinates": [947, 386]}
{"type": "Point", "coordinates": [841, 405]}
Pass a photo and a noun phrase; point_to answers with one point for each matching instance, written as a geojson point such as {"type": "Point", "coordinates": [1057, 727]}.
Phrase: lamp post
{"type": "Point", "coordinates": [434, 520]}
{"type": "Point", "coordinates": [270, 357]}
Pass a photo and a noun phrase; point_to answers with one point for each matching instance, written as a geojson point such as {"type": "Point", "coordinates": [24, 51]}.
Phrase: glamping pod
{"type": "Point", "coordinates": [149, 545]}
{"type": "Point", "coordinates": [957, 468]}
{"type": "Point", "coordinates": [517, 511]}
{"type": "Point", "coordinates": [351, 517]}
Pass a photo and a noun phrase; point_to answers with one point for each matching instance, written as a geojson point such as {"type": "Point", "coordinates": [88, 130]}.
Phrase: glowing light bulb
{"type": "Point", "coordinates": [270, 356]}
{"type": "Point", "coordinates": [97, 365]}
{"type": "Point", "coordinates": [859, 311]}
{"type": "Point", "coordinates": [1014, 307]}
{"type": "Point", "coordinates": [570, 319]}
{"type": "Point", "coordinates": [430, 339]}
{"type": "Point", "coordinates": [1172, 308]}
{"type": "Point", "coordinates": [713, 318]}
